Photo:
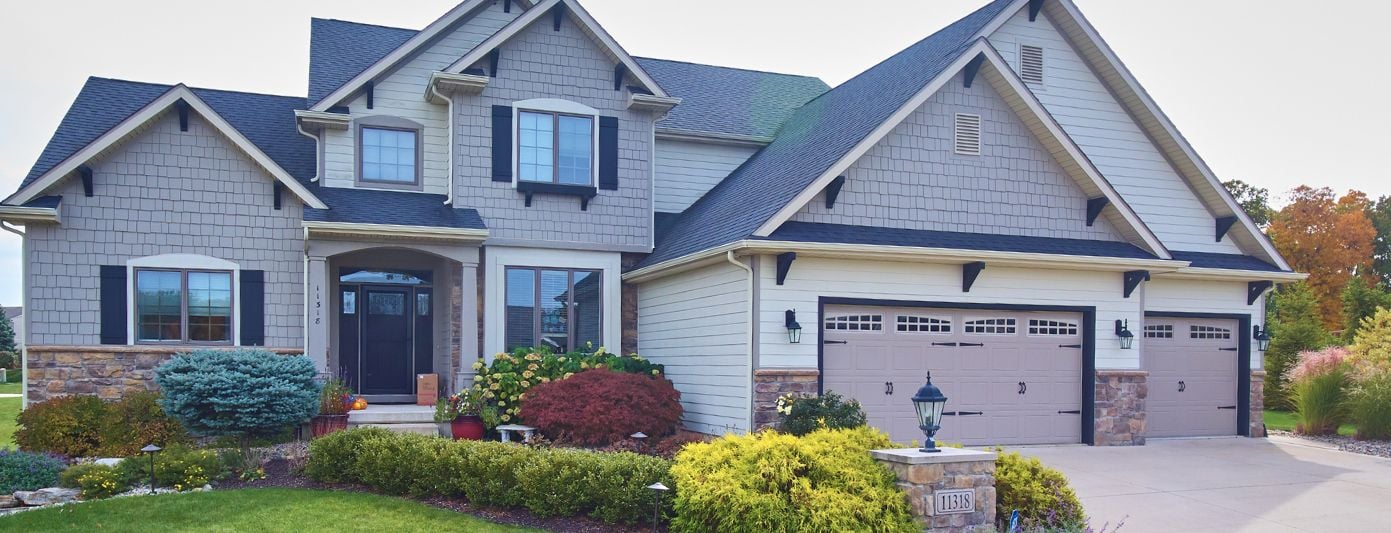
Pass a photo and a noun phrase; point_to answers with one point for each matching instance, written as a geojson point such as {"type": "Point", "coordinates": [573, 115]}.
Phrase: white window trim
{"type": "Point", "coordinates": [553, 105]}
{"type": "Point", "coordinates": [182, 262]}
{"type": "Point", "coordinates": [494, 295]}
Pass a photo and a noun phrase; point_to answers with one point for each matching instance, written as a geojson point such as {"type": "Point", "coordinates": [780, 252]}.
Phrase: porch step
{"type": "Point", "coordinates": [423, 429]}
{"type": "Point", "coordinates": [392, 414]}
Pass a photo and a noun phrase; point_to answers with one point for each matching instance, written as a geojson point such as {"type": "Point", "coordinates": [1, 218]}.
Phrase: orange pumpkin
{"type": "Point", "coordinates": [359, 404]}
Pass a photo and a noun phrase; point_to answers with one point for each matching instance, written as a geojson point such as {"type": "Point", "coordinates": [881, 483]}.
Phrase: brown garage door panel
{"type": "Point", "coordinates": [1192, 366]}
{"type": "Point", "coordinates": [1019, 369]}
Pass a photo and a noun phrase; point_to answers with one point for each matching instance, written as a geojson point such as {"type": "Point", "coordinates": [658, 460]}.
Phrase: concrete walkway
{"type": "Point", "coordinates": [1227, 484]}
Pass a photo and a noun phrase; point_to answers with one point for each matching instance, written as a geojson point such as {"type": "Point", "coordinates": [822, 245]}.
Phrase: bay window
{"type": "Point", "coordinates": [557, 308]}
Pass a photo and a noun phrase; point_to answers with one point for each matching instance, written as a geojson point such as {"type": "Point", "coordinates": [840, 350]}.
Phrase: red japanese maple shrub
{"type": "Point", "coordinates": [599, 407]}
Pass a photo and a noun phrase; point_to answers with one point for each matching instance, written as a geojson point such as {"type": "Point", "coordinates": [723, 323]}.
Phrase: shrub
{"type": "Point", "coordinates": [504, 381]}
{"type": "Point", "coordinates": [600, 407]}
{"type": "Point", "coordinates": [68, 478]}
{"type": "Point", "coordinates": [179, 467]}
{"type": "Point", "coordinates": [28, 471]}
{"type": "Point", "coordinates": [9, 360]}
{"type": "Point", "coordinates": [244, 393]}
{"type": "Point", "coordinates": [1040, 494]}
{"type": "Point", "coordinates": [1295, 326]}
{"type": "Point", "coordinates": [99, 481]}
{"type": "Point", "coordinates": [1369, 403]}
{"type": "Point", "coordinates": [824, 481]}
{"type": "Point", "coordinates": [548, 482]}
{"type": "Point", "coordinates": [135, 421]}
{"type": "Point", "coordinates": [66, 425]}
{"type": "Point", "coordinates": [800, 415]}
{"type": "Point", "coordinates": [1316, 389]}
{"type": "Point", "coordinates": [1361, 300]}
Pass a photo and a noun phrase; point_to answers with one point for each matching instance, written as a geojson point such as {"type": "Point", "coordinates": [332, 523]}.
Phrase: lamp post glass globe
{"type": "Point", "coordinates": [929, 402]}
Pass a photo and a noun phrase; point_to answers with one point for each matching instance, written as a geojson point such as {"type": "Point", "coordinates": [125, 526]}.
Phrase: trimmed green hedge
{"type": "Point", "coordinates": [548, 482]}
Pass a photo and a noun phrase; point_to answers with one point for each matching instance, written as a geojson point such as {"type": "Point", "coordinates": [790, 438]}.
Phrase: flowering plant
{"type": "Point", "coordinates": [785, 402]}
{"type": "Point", "coordinates": [503, 382]}
{"type": "Point", "coordinates": [467, 402]}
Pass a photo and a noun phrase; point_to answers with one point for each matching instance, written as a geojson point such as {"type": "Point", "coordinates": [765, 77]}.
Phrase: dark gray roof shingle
{"type": "Point", "coordinates": [339, 50]}
{"type": "Point", "coordinates": [845, 234]}
{"type": "Point", "coordinates": [730, 101]}
{"type": "Point", "coordinates": [363, 206]}
{"type": "Point", "coordinates": [818, 134]}
{"type": "Point", "coordinates": [1224, 261]}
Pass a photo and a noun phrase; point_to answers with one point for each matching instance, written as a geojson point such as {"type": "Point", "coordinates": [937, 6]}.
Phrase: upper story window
{"type": "Point", "coordinates": [555, 147]}
{"type": "Point", "coordinates": [389, 152]}
{"type": "Point", "coordinates": [193, 306]}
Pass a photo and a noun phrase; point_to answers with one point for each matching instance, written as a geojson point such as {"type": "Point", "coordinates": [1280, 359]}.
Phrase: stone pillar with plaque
{"type": "Point", "coordinates": [952, 490]}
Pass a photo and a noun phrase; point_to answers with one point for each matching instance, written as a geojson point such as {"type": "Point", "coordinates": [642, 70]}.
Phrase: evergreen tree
{"type": "Point", "coordinates": [1361, 300]}
{"type": "Point", "coordinates": [1295, 326]}
{"type": "Point", "coordinates": [6, 333]}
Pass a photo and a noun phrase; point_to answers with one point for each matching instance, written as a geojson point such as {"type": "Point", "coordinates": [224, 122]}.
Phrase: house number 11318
{"type": "Point", "coordinates": [954, 501]}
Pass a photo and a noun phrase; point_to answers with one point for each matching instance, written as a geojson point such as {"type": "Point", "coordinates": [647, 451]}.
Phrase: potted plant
{"type": "Point", "coordinates": [333, 408]}
{"type": "Point", "coordinates": [461, 411]}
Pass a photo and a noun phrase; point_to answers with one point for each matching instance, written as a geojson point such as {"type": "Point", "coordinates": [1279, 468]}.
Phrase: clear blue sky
{"type": "Point", "coordinates": [1277, 93]}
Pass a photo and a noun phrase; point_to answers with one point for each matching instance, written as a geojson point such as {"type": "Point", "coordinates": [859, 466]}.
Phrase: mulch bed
{"type": "Point", "coordinates": [280, 474]}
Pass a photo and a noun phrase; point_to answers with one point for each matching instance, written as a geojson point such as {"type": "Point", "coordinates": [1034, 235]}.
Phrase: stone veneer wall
{"type": "Point", "coordinates": [770, 383]}
{"type": "Point", "coordinates": [1257, 403]}
{"type": "Point", "coordinates": [1120, 407]}
{"type": "Point", "coordinates": [921, 475]}
{"type": "Point", "coordinates": [104, 371]}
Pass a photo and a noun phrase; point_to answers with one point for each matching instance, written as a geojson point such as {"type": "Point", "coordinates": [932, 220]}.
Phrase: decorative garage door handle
{"type": "Point", "coordinates": [1023, 388]}
{"type": "Point", "coordinates": [888, 387]}
{"type": "Point", "coordinates": [944, 344]}
{"type": "Point", "coordinates": [963, 413]}
{"type": "Point", "coordinates": [1226, 407]}
{"type": "Point", "coordinates": [969, 344]}
{"type": "Point", "coordinates": [1182, 386]}
{"type": "Point", "coordinates": [1069, 412]}
{"type": "Point", "coordinates": [1079, 346]}
{"type": "Point", "coordinates": [835, 342]}
{"type": "Point", "coordinates": [1227, 349]}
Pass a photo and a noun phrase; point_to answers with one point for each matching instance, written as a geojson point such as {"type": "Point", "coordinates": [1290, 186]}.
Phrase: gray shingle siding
{"type": "Point", "coordinates": [541, 63]}
{"type": "Point", "coordinates": [164, 191]}
{"type": "Point", "coordinates": [913, 179]}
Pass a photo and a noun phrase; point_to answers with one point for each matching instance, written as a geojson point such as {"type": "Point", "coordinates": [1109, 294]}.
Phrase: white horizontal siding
{"type": "Point", "coordinates": [402, 94]}
{"type": "Point", "coordinates": [686, 170]}
{"type": "Point", "coordinates": [1198, 296]}
{"type": "Point", "coordinates": [696, 323]}
{"type": "Point", "coordinates": [1112, 140]}
{"type": "Point", "coordinates": [811, 278]}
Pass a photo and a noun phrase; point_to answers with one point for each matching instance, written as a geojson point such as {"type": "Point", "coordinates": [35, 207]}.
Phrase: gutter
{"type": "Point", "coordinates": [20, 214]}
{"type": "Point", "coordinates": [676, 134]}
{"type": "Point", "coordinates": [1222, 274]}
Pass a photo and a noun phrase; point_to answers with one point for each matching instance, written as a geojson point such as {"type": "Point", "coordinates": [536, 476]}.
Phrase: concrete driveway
{"type": "Point", "coordinates": [1227, 484]}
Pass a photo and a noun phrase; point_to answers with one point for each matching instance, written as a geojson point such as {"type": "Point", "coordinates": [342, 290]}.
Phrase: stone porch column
{"type": "Point", "coordinates": [464, 328]}
{"type": "Point", "coordinates": [1120, 407]}
{"type": "Point", "coordinates": [316, 342]}
{"type": "Point", "coordinates": [952, 490]}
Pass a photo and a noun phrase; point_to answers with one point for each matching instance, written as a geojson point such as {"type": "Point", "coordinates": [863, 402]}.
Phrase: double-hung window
{"type": "Point", "coordinates": [558, 308]}
{"type": "Point", "coordinates": [189, 306]}
{"type": "Point", "coordinates": [389, 155]}
{"type": "Point", "coordinates": [555, 148]}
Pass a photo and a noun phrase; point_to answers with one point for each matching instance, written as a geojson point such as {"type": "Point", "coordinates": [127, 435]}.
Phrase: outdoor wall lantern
{"type": "Point", "coordinates": [1123, 333]}
{"type": "Point", "coordinates": [1261, 336]}
{"type": "Point", "coordinates": [929, 403]}
{"type": "Point", "coordinates": [151, 450]}
{"type": "Point", "coordinates": [794, 330]}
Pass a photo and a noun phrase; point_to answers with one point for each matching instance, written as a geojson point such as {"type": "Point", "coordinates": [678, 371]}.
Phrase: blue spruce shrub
{"type": "Point", "coordinates": [245, 393]}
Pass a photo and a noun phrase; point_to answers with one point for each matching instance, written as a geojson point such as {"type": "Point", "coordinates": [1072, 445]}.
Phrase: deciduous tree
{"type": "Point", "coordinates": [1361, 299]}
{"type": "Point", "coordinates": [1295, 326]}
{"type": "Point", "coordinates": [1254, 200]}
{"type": "Point", "coordinates": [1380, 213]}
{"type": "Point", "coordinates": [1330, 238]}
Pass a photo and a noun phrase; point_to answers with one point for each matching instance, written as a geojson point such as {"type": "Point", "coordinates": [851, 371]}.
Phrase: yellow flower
{"type": "Point", "coordinates": [506, 417]}
{"type": "Point", "coordinates": [545, 380]}
{"type": "Point", "coordinates": [478, 365]}
{"type": "Point", "coordinates": [532, 366]}
{"type": "Point", "coordinates": [654, 372]}
{"type": "Point", "coordinates": [488, 394]}
{"type": "Point", "coordinates": [521, 396]}
{"type": "Point", "coordinates": [527, 374]}
{"type": "Point", "coordinates": [526, 384]}
{"type": "Point", "coordinates": [822, 422]}
{"type": "Point", "coordinates": [584, 366]}
{"type": "Point", "coordinates": [501, 403]}
{"type": "Point", "coordinates": [568, 374]}
{"type": "Point", "coordinates": [494, 386]}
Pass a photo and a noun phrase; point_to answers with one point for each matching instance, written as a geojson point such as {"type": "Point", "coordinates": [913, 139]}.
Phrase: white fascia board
{"type": "Point", "coordinates": [646, 102]}
{"type": "Point", "coordinates": [140, 118]}
{"type": "Point", "coordinates": [1220, 274]}
{"type": "Point", "coordinates": [402, 52]}
{"type": "Point", "coordinates": [394, 230]}
{"type": "Point", "coordinates": [324, 120]}
{"type": "Point", "coordinates": [587, 21]}
{"type": "Point", "coordinates": [444, 83]}
{"type": "Point", "coordinates": [20, 215]}
{"type": "Point", "coordinates": [1167, 128]}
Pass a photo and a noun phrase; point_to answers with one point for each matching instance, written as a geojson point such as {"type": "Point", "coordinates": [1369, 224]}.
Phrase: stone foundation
{"type": "Point", "coordinates": [1257, 403]}
{"type": "Point", "coordinates": [922, 475]}
{"type": "Point", "coordinates": [770, 383]}
{"type": "Point", "coordinates": [1120, 407]}
{"type": "Point", "coordinates": [103, 371]}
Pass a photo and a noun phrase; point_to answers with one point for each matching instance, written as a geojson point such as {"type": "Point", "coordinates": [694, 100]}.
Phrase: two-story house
{"type": "Point", "coordinates": [1000, 204]}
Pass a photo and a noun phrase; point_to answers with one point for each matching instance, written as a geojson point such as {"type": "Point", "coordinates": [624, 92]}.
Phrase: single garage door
{"type": "Point", "coordinates": [1192, 366]}
{"type": "Point", "coordinates": [1013, 377]}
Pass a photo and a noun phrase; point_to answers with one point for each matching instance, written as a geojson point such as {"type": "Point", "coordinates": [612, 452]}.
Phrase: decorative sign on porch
{"type": "Point", "coordinates": [954, 501]}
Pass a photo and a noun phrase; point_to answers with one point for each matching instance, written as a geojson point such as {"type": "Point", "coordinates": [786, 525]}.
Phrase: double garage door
{"type": "Point", "coordinates": [1193, 366]}
{"type": "Point", "coordinates": [1011, 377]}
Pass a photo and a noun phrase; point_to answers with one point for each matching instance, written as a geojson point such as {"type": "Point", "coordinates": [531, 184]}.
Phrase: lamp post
{"type": "Point", "coordinates": [929, 402]}
{"type": "Point", "coordinates": [1123, 333]}
{"type": "Point", "coordinates": [641, 438]}
{"type": "Point", "coordinates": [151, 450]}
{"type": "Point", "coordinates": [657, 489]}
{"type": "Point", "coordinates": [1261, 336]}
{"type": "Point", "coordinates": [794, 330]}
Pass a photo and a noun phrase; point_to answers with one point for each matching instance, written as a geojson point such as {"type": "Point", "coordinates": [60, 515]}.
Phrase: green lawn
{"type": "Point", "coordinates": [1285, 420]}
{"type": "Point", "coordinates": [251, 510]}
{"type": "Point", "coordinates": [9, 409]}
{"type": "Point", "coordinates": [10, 388]}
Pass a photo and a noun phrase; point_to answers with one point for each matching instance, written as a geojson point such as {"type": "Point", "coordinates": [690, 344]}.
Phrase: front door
{"type": "Point", "coordinates": [387, 346]}
{"type": "Point", "coordinates": [385, 332]}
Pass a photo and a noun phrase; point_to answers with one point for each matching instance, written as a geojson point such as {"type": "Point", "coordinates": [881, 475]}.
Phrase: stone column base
{"type": "Point", "coordinates": [930, 479]}
{"type": "Point", "coordinates": [770, 383]}
{"type": "Point", "coordinates": [1120, 407]}
{"type": "Point", "coordinates": [1257, 404]}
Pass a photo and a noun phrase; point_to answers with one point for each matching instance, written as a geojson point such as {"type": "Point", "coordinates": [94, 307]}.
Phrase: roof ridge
{"type": "Point", "coordinates": [807, 76]}
{"type": "Point", "coordinates": [356, 23]}
{"type": "Point", "coordinates": [210, 89]}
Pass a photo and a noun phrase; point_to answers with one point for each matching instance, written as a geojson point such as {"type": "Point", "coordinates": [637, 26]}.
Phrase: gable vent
{"type": "Point", "coordinates": [1031, 63]}
{"type": "Point", "coordinates": [967, 134]}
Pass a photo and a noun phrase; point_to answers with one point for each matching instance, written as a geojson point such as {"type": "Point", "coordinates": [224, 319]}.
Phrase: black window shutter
{"type": "Point", "coordinates": [113, 304]}
{"type": "Point", "coordinates": [608, 153]}
{"type": "Point", "coordinates": [253, 308]}
{"type": "Point", "coordinates": [502, 143]}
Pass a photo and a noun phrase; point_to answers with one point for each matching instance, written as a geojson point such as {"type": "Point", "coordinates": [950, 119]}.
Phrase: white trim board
{"type": "Point", "coordinates": [997, 72]}
{"type": "Point", "coordinates": [150, 112]}
{"type": "Point", "coordinates": [586, 22]}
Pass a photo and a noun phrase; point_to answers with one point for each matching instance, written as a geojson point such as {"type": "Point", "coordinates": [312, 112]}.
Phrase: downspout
{"type": "Point", "coordinates": [748, 331]}
{"type": "Point", "coordinates": [449, 138]}
{"type": "Point", "coordinates": [28, 311]}
{"type": "Point", "coordinates": [318, 150]}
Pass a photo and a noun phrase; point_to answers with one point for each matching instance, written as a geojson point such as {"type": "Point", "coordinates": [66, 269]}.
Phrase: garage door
{"type": "Point", "coordinates": [1013, 377]}
{"type": "Point", "coordinates": [1192, 366]}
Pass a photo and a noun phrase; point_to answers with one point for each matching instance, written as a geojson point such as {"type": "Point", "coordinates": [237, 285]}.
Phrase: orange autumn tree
{"type": "Point", "coordinates": [1328, 237]}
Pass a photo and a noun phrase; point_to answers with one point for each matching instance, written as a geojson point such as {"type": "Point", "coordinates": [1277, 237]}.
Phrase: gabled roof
{"type": "Point", "coordinates": [586, 23]}
{"type": "Point", "coordinates": [730, 101]}
{"type": "Point", "coordinates": [106, 111]}
{"type": "Point", "coordinates": [340, 50]}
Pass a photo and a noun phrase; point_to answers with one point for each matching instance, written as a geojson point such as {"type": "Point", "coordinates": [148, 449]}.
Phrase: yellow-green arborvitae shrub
{"type": "Point", "coordinates": [1040, 494]}
{"type": "Point", "coordinates": [768, 481]}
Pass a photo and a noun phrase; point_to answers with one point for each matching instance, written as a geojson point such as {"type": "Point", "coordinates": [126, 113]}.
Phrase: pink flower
{"type": "Point", "coordinates": [1319, 363]}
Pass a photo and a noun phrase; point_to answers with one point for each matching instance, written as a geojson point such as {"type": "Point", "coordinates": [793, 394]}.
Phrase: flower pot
{"type": "Point", "coordinates": [324, 424]}
{"type": "Point", "coordinates": [446, 429]}
{"type": "Point", "coordinates": [468, 428]}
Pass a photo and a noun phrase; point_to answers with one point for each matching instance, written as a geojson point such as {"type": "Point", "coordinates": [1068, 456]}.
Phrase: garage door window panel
{"type": "Point", "coordinates": [991, 326]}
{"type": "Point", "coordinates": [855, 323]}
{"type": "Point", "coordinates": [1159, 331]}
{"type": "Point", "coordinates": [923, 324]}
{"type": "Point", "coordinates": [1209, 332]}
{"type": "Point", "coordinates": [1052, 328]}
